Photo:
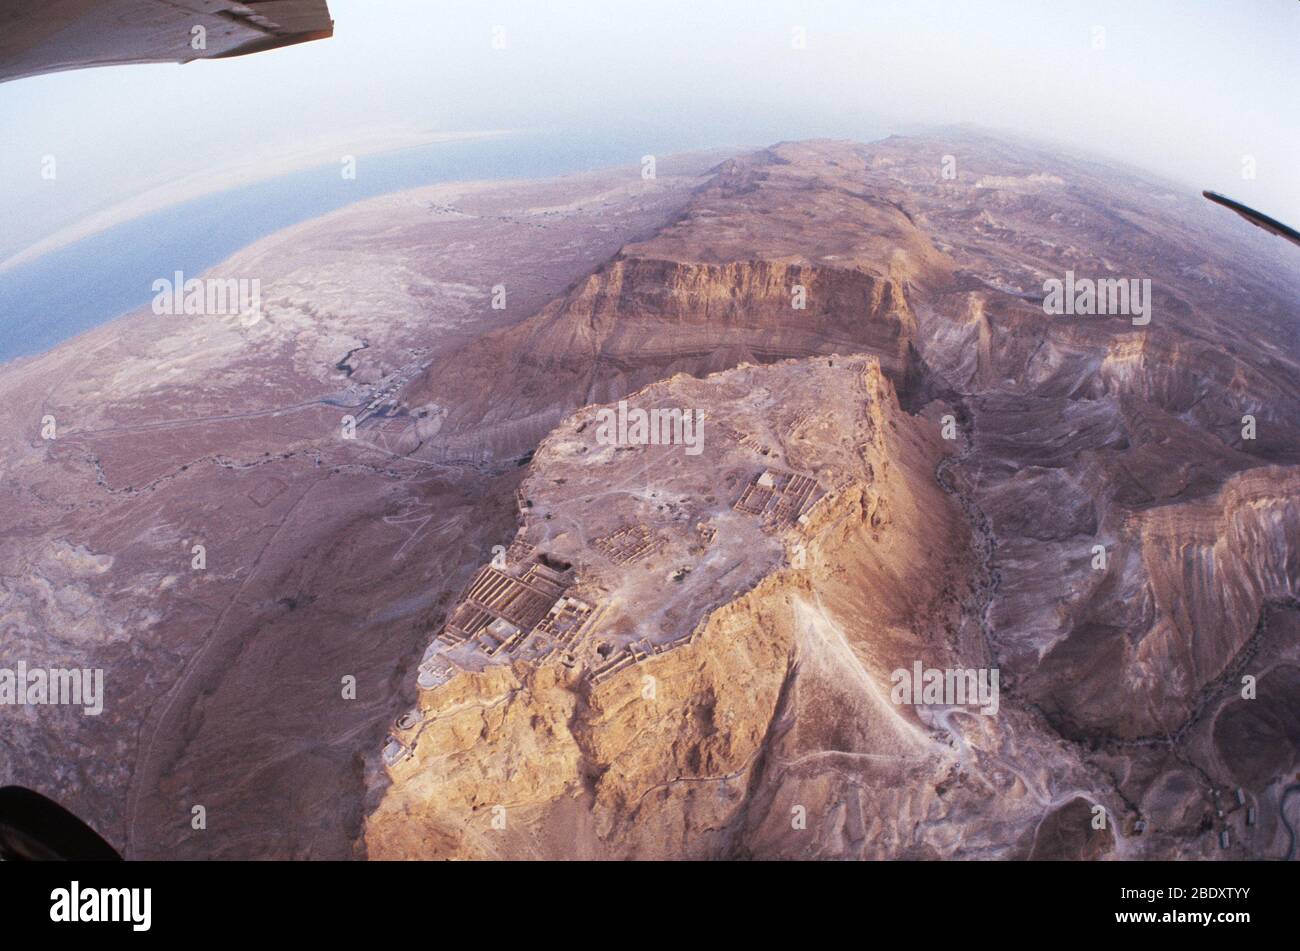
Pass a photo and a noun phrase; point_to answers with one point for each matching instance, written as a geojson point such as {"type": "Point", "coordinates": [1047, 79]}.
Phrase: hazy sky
{"type": "Point", "coordinates": [1187, 88]}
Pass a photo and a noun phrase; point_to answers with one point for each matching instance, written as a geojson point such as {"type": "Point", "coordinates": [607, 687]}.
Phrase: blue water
{"type": "Point", "coordinates": [85, 284]}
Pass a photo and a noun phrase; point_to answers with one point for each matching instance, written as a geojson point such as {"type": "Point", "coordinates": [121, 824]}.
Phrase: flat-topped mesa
{"type": "Point", "coordinates": [690, 509]}
{"type": "Point", "coordinates": [663, 470]}
{"type": "Point", "coordinates": [669, 552]}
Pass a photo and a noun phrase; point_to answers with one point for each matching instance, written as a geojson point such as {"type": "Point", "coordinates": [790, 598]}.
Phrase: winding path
{"type": "Point", "coordinates": [1290, 829]}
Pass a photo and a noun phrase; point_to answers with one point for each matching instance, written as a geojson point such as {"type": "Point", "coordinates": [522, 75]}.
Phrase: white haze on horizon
{"type": "Point", "coordinates": [1184, 88]}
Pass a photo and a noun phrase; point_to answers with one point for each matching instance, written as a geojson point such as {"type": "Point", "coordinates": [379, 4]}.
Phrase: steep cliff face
{"type": "Point", "coordinates": [638, 320]}
{"type": "Point", "coordinates": [528, 761]}
{"type": "Point", "coordinates": [786, 254]}
{"type": "Point", "coordinates": [1137, 656]}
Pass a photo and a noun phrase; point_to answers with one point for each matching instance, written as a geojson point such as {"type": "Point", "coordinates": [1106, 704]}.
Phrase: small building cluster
{"type": "Point", "coordinates": [628, 544]}
{"type": "Point", "coordinates": [1223, 812]}
{"type": "Point", "coordinates": [518, 600]}
{"type": "Point", "coordinates": [779, 498]}
{"type": "Point", "coordinates": [747, 440]}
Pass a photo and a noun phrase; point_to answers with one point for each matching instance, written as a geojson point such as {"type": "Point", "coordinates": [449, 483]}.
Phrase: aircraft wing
{"type": "Point", "coordinates": [46, 36]}
{"type": "Point", "coordinates": [1257, 218]}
